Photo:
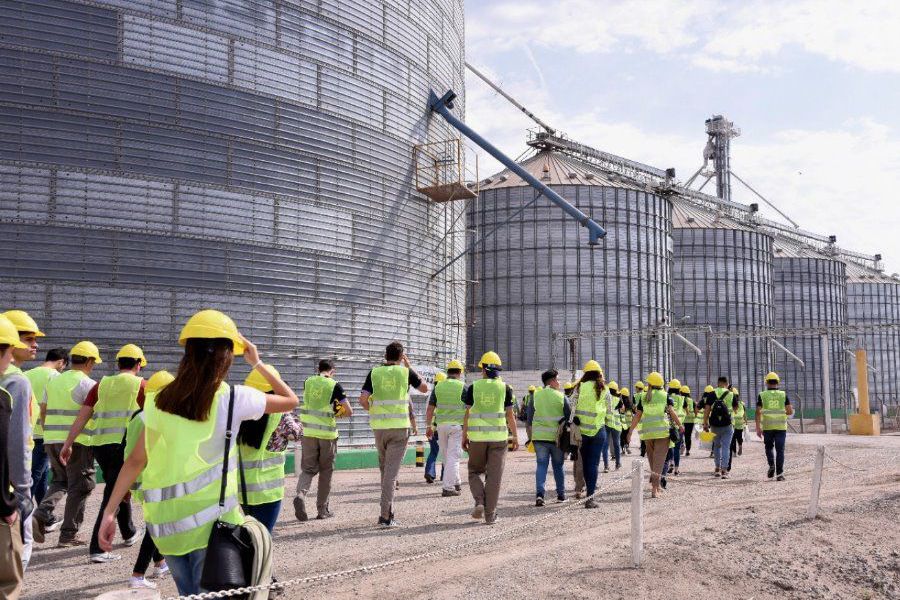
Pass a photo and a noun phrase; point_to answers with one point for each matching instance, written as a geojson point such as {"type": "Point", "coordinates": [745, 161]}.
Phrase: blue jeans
{"type": "Point", "coordinates": [434, 449]}
{"type": "Point", "coordinates": [40, 471]}
{"type": "Point", "coordinates": [186, 571]}
{"type": "Point", "coordinates": [775, 440]}
{"type": "Point", "coordinates": [267, 513]}
{"type": "Point", "coordinates": [545, 453]}
{"type": "Point", "coordinates": [611, 445]}
{"type": "Point", "coordinates": [591, 448]}
{"type": "Point", "coordinates": [722, 445]}
{"type": "Point", "coordinates": [676, 451]}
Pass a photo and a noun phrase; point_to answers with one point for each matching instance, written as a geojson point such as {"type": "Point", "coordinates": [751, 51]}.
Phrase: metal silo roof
{"type": "Point", "coordinates": [554, 168]}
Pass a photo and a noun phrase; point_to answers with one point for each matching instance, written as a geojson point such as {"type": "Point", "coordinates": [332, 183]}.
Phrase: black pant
{"type": "Point", "coordinates": [736, 440]}
{"type": "Point", "coordinates": [643, 448]}
{"type": "Point", "coordinates": [147, 552]}
{"type": "Point", "coordinates": [688, 430]}
{"type": "Point", "coordinates": [110, 457]}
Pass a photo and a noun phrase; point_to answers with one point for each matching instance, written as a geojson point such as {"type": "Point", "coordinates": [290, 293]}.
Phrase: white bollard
{"type": "Point", "coordinates": [816, 483]}
{"type": "Point", "coordinates": [637, 511]}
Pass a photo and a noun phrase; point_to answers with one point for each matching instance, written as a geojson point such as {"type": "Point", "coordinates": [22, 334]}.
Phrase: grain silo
{"type": "Point", "coordinates": [159, 157]}
{"type": "Point", "coordinates": [811, 293]}
{"type": "Point", "coordinates": [536, 277]}
{"type": "Point", "coordinates": [722, 280]}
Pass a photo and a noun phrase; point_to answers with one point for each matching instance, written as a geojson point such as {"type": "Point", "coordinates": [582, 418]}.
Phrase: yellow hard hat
{"type": "Point", "coordinates": [159, 380]}
{"type": "Point", "coordinates": [735, 391]}
{"type": "Point", "coordinates": [674, 383]}
{"type": "Point", "coordinates": [624, 392]}
{"type": "Point", "coordinates": [613, 386]}
{"type": "Point", "coordinates": [455, 364]}
{"type": "Point", "coordinates": [592, 365]}
{"type": "Point", "coordinates": [531, 388]}
{"type": "Point", "coordinates": [639, 385]}
{"type": "Point", "coordinates": [569, 385]}
{"type": "Point", "coordinates": [87, 349]}
{"type": "Point", "coordinates": [23, 322]}
{"type": "Point", "coordinates": [708, 389]}
{"type": "Point", "coordinates": [655, 379]}
{"type": "Point", "coordinates": [212, 324]}
{"type": "Point", "coordinates": [490, 358]}
{"type": "Point", "coordinates": [440, 376]}
{"type": "Point", "coordinates": [685, 389]}
{"type": "Point", "coordinates": [773, 376]}
{"type": "Point", "coordinates": [9, 334]}
{"type": "Point", "coordinates": [132, 351]}
{"type": "Point", "coordinates": [256, 380]}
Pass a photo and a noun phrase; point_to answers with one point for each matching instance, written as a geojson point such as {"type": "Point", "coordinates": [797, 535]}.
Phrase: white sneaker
{"type": "Point", "coordinates": [160, 572]}
{"type": "Point", "coordinates": [104, 557]}
{"type": "Point", "coordinates": [138, 535]}
{"type": "Point", "coordinates": [54, 526]}
{"type": "Point", "coordinates": [136, 583]}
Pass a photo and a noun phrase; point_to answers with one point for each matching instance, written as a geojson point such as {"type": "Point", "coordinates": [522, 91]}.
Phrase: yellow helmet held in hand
{"type": "Point", "coordinates": [159, 380]}
{"type": "Point", "coordinates": [132, 351]}
{"type": "Point", "coordinates": [209, 325]}
{"type": "Point", "coordinates": [490, 358]}
{"type": "Point", "coordinates": [639, 386]}
{"type": "Point", "coordinates": [624, 392]}
{"type": "Point", "coordinates": [592, 366]}
{"type": "Point", "coordinates": [685, 389]}
{"type": "Point", "coordinates": [674, 383]}
{"type": "Point", "coordinates": [613, 386]}
{"type": "Point", "coordinates": [86, 349]}
{"type": "Point", "coordinates": [256, 380]}
{"type": "Point", "coordinates": [655, 379]}
{"type": "Point", "coordinates": [23, 322]}
{"type": "Point", "coordinates": [440, 376]}
{"type": "Point", "coordinates": [708, 389]}
{"type": "Point", "coordinates": [569, 385]}
{"type": "Point", "coordinates": [9, 335]}
{"type": "Point", "coordinates": [531, 388]}
{"type": "Point", "coordinates": [735, 391]}
{"type": "Point", "coordinates": [773, 376]}
{"type": "Point", "coordinates": [455, 364]}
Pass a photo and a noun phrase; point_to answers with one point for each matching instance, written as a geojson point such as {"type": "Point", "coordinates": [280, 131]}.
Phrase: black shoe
{"type": "Point", "coordinates": [448, 493]}
{"type": "Point", "coordinates": [780, 477]}
{"type": "Point", "coordinates": [740, 450]}
{"type": "Point", "coordinates": [429, 479]}
{"type": "Point", "coordinates": [300, 509]}
{"type": "Point", "coordinates": [560, 498]}
{"type": "Point", "coordinates": [325, 514]}
{"type": "Point", "coordinates": [539, 501]}
{"type": "Point", "coordinates": [771, 472]}
{"type": "Point", "coordinates": [671, 468]}
{"type": "Point", "coordinates": [662, 482]}
{"type": "Point", "coordinates": [688, 453]}
{"type": "Point", "coordinates": [457, 487]}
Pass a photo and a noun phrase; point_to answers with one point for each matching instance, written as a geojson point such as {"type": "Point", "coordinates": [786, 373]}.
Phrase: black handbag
{"type": "Point", "coordinates": [229, 553]}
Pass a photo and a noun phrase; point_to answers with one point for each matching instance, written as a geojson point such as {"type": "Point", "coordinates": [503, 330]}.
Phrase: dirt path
{"type": "Point", "coordinates": [746, 537]}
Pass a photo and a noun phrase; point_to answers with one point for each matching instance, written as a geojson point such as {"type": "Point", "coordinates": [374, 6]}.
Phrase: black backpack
{"type": "Point", "coordinates": [719, 415]}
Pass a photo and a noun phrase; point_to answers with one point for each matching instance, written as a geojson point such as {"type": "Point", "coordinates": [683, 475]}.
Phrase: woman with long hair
{"type": "Point", "coordinates": [590, 416]}
{"type": "Point", "coordinates": [179, 455]}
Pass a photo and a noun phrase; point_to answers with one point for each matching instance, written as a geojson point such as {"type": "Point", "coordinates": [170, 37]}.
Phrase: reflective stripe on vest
{"type": "Point", "coordinates": [738, 416]}
{"type": "Point", "coordinates": [449, 408]}
{"type": "Point", "coordinates": [612, 415]}
{"type": "Point", "coordinates": [487, 415]}
{"type": "Point", "coordinates": [689, 416]}
{"type": "Point", "coordinates": [549, 409]}
{"type": "Point", "coordinates": [62, 410]}
{"type": "Point", "coordinates": [264, 470]}
{"type": "Point", "coordinates": [317, 412]}
{"type": "Point", "coordinates": [39, 377]}
{"type": "Point", "coordinates": [678, 406]}
{"type": "Point", "coordinates": [774, 417]}
{"type": "Point", "coordinates": [590, 410]}
{"type": "Point", "coordinates": [390, 389]}
{"type": "Point", "coordinates": [654, 424]}
{"type": "Point", "coordinates": [116, 401]}
{"type": "Point", "coordinates": [132, 434]}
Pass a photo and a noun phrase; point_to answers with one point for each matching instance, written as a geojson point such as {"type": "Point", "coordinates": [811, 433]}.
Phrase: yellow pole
{"type": "Point", "coordinates": [862, 381]}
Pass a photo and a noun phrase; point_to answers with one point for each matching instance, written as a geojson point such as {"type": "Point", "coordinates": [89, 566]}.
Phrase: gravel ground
{"type": "Point", "coordinates": [706, 538]}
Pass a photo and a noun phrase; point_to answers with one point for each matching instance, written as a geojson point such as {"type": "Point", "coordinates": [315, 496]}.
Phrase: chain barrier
{"type": "Point", "coordinates": [878, 467]}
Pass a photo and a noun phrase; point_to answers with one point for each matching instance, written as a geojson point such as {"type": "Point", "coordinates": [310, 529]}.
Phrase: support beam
{"type": "Point", "coordinates": [790, 354]}
{"type": "Point", "coordinates": [826, 381]}
{"type": "Point", "coordinates": [864, 423]}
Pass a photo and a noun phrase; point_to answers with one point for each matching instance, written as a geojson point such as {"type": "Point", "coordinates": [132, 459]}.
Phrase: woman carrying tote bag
{"type": "Point", "coordinates": [181, 455]}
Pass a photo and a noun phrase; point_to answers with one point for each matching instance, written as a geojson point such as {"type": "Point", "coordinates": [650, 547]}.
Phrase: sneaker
{"type": "Point", "coordinates": [139, 534]}
{"type": "Point", "coordinates": [579, 495]}
{"type": "Point", "coordinates": [396, 485]}
{"type": "Point", "coordinates": [771, 473]}
{"type": "Point", "coordinates": [711, 454]}
{"type": "Point", "coordinates": [300, 509]}
{"type": "Point", "coordinates": [725, 475]}
{"type": "Point", "coordinates": [676, 472]}
{"type": "Point", "coordinates": [137, 583]}
{"type": "Point", "coordinates": [718, 473]}
{"type": "Point", "coordinates": [606, 469]}
{"type": "Point", "coordinates": [53, 524]}
{"type": "Point", "coordinates": [618, 466]}
{"type": "Point", "coordinates": [457, 487]}
{"type": "Point", "coordinates": [478, 512]}
{"type": "Point", "coordinates": [160, 572]}
{"type": "Point", "coordinates": [591, 503]}
{"type": "Point", "coordinates": [539, 501]}
{"type": "Point", "coordinates": [671, 468]}
{"type": "Point", "coordinates": [490, 519]}
{"type": "Point", "coordinates": [780, 477]}
{"type": "Point", "coordinates": [429, 479]}
{"type": "Point", "coordinates": [387, 523]}
{"type": "Point", "coordinates": [104, 557]}
{"type": "Point", "coordinates": [38, 529]}
{"type": "Point", "coordinates": [740, 450]}
{"type": "Point", "coordinates": [449, 493]}
{"type": "Point", "coordinates": [560, 498]}
{"type": "Point", "coordinates": [662, 482]}
{"type": "Point", "coordinates": [325, 514]}
{"type": "Point", "coordinates": [688, 453]}
{"type": "Point", "coordinates": [71, 543]}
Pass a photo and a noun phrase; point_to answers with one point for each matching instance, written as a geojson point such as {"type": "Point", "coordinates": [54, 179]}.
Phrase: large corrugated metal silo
{"type": "Point", "coordinates": [722, 279]}
{"type": "Point", "coordinates": [255, 156]}
{"type": "Point", "coordinates": [810, 293]}
{"type": "Point", "coordinates": [536, 276]}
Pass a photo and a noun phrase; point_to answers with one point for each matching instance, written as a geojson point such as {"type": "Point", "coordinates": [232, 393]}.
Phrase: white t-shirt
{"type": "Point", "coordinates": [79, 394]}
{"type": "Point", "coordinates": [249, 404]}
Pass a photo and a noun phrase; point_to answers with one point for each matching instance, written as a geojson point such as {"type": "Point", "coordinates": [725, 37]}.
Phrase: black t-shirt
{"type": "Point", "coordinates": [759, 400]}
{"type": "Point", "coordinates": [468, 399]}
{"type": "Point", "coordinates": [337, 394]}
{"type": "Point", "coordinates": [414, 381]}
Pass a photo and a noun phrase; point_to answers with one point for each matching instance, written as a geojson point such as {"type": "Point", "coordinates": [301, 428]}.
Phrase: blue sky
{"type": "Point", "coordinates": [813, 85]}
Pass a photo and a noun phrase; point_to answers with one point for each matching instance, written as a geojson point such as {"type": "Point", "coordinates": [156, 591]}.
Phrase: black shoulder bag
{"type": "Point", "coordinates": [229, 553]}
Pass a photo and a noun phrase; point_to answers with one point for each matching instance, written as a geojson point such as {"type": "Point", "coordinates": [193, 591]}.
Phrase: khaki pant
{"type": "Point", "coordinates": [391, 445]}
{"type": "Point", "coordinates": [656, 454]}
{"type": "Point", "coordinates": [11, 571]}
{"type": "Point", "coordinates": [317, 459]}
{"type": "Point", "coordinates": [486, 458]}
{"type": "Point", "coordinates": [75, 481]}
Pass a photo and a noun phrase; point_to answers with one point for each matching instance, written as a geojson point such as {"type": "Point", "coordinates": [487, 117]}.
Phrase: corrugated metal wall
{"type": "Point", "coordinates": [723, 278]}
{"type": "Point", "coordinates": [253, 156]}
{"type": "Point", "coordinates": [871, 303]}
{"type": "Point", "coordinates": [812, 292]}
{"type": "Point", "coordinates": [537, 276]}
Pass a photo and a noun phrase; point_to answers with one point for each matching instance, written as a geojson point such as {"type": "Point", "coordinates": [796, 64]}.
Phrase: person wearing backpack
{"type": "Point", "coordinates": [717, 418]}
{"type": "Point", "coordinates": [772, 411]}
{"type": "Point", "coordinates": [546, 412]}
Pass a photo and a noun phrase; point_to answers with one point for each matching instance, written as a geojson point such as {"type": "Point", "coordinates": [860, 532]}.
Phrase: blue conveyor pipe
{"type": "Point", "coordinates": [443, 105]}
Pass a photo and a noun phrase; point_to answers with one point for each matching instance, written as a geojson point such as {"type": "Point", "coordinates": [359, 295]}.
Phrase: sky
{"type": "Point", "coordinates": [814, 86]}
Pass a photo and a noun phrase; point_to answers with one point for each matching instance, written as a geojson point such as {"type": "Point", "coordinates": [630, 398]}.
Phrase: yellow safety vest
{"type": "Point", "coordinates": [116, 402]}
{"type": "Point", "coordinates": [774, 417]}
{"type": "Point", "coordinates": [548, 411]}
{"type": "Point", "coordinates": [654, 424]}
{"type": "Point", "coordinates": [449, 409]}
{"type": "Point", "coordinates": [389, 402]}
{"type": "Point", "coordinates": [39, 377]}
{"type": "Point", "coordinates": [487, 415]}
{"type": "Point", "coordinates": [62, 410]}
{"type": "Point", "coordinates": [590, 410]}
{"type": "Point", "coordinates": [264, 470]}
{"type": "Point", "coordinates": [316, 412]}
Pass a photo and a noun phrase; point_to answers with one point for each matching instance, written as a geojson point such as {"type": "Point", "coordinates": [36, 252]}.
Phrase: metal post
{"type": "Point", "coordinates": [826, 382]}
{"type": "Point", "coordinates": [637, 511]}
{"type": "Point", "coordinates": [816, 483]}
{"type": "Point", "coordinates": [708, 356]}
{"type": "Point", "coordinates": [800, 403]}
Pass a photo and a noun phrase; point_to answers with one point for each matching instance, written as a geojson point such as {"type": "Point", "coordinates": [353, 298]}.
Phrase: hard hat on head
{"type": "Point", "coordinates": [256, 380]}
{"type": "Point", "coordinates": [159, 380]}
{"type": "Point", "coordinates": [455, 364]}
{"type": "Point", "coordinates": [612, 385]}
{"type": "Point", "coordinates": [569, 385]}
{"type": "Point", "coordinates": [531, 388]}
{"type": "Point", "coordinates": [86, 349]}
{"type": "Point", "coordinates": [708, 389]}
{"type": "Point", "coordinates": [655, 379]}
{"type": "Point", "coordinates": [592, 365]}
{"type": "Point", "coordinates": [685, 389]}
{"type": "Point", "coordinates": [491, 359]}
{"type": "Point", "coordinates": [639, 385]}
{"type": "Point", "coordinates": [9, 335]}
{"type": "Point", "coordinates": [132, 351]}
{"type": "Point", "coordinates": [624, 392]}
{"type": "Point", "coordinates": [209, 325]}
{"type": "Point", "coordinates": [440, 376]}
{"type": "Point", "coordinates": [773, 376]}
{"type": "Point", "coordinates": [23, 322]}
{"type": "Point", "coordinates": [674, 383]}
